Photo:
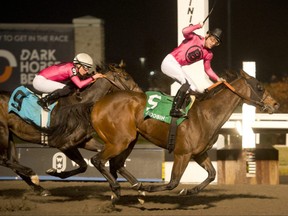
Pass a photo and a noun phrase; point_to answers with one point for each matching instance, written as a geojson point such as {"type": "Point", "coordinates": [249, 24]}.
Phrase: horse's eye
{"type": "Point", "coordinates": [260, 87]}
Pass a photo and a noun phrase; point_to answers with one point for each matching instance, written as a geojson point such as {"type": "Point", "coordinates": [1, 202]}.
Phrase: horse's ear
{"type": "Point", "coordinates": [229, 75]}
{"type": "Point", "coordinates": [98, 68]}
{"type": "Point", "coordinates": [244, 74]}
{"type": "Point", "coordinates": [122, 64]}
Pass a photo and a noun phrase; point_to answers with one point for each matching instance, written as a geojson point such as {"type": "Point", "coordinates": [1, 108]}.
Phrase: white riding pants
{"type": "Point", "coordinates": [44, 85]}
{"type": "Point", "coordinates": [173, 69]}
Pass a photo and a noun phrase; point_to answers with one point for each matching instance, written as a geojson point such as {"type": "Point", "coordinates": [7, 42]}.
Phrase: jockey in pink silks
{"type": "Point", "coordinates": [192, 49]}
{"type": "Point", "coordinates": [51, 79]}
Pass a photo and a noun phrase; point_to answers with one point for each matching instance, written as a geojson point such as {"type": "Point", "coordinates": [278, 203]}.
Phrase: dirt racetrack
{"type": "Point", "coordinates": [93, 198]}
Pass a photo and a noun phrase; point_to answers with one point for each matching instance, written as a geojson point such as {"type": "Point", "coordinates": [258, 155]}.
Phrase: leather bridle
{"type": "Point", "coordinates": [257, 102]}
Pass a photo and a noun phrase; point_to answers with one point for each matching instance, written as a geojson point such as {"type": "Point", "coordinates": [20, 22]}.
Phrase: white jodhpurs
{"type": "Point", "coordinates": [173, 69]}
{"type": "Point", "coordinates": [44, 85]}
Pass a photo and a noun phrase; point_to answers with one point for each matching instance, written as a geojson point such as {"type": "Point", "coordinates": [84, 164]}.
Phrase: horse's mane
{"type": "Point", "coordinates": [230, 75]}
{"type": "Point", "coordinates": [104, 68]}
{"type": "Point", "coordinates": [101, 68]}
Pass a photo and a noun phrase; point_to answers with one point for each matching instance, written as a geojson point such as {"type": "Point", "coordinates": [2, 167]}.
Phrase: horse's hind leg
{"type": "Point", "coordinates": [179, 166]}
{"type": "Point", "coordinates": [74, 155]}
{"type": "Point", "coordinates": [11, 150]}
{"type": "Point", "coordinates": [204, 161]}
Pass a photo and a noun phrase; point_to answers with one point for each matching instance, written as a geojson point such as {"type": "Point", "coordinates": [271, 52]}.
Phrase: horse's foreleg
{"type": "Point", "coordinates": [74, 155]}
{"type": "Point", "coordinates": [28, 175]}
{"type": "Point", "coordinates": [136, 185]}
{"type": "Point", "coordinates": [117, 164]}
{"type": "Point", "coordinates": [93, 145]}
{"type": "Point", "coordinates": [8, 153]}
{"type": "Point", "coordinates": [204, 161]}
{"type": "Point", "coordinates": [179, 166]}
{"type": "Point", "coordinates": [130, 178]}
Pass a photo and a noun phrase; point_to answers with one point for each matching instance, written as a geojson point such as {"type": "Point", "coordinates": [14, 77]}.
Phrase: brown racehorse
{"type": "Point", "coordinates": [194, 137]}
{"type": "Point", "coordinates": [69, 141]}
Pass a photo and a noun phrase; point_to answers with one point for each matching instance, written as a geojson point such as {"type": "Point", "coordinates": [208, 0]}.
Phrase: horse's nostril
{"type": "Point", "coordinates": [276, 106]}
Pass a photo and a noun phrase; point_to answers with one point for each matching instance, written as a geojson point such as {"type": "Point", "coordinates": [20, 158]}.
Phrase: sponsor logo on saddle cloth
{"type": "Point", "coordinates": [23, 102]}
{"type": "Point", "coordinates": [158, 106]}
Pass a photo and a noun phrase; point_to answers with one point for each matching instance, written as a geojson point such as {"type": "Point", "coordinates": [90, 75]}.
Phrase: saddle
{"type": "Point", "coordinates": [23, 102]}
{"type": "Point", "coordinates": [158, 106]}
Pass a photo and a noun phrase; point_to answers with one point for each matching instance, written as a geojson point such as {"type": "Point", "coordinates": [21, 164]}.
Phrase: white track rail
{"type": "Point", "coordinates": [264, 123]}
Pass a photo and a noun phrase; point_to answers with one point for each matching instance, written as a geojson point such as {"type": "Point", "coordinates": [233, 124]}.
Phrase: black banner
{"type": "Point", "coordinates": [24, 52]}
{"type": "Point", "coordinates": [145, 162]}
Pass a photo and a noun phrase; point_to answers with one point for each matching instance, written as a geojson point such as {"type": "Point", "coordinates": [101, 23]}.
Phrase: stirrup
{"type": "Point", "coordinates": [177, 113]}
{"type": "Point", "coordinates": [43, 105]}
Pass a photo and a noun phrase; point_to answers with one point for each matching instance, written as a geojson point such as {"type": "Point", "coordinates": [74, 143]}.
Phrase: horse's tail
{"type": "Point", "coordinates": [68, 119]}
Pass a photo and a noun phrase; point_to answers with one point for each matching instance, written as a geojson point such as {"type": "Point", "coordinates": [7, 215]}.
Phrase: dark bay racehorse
{"type": "Point", "coordinates": [69, 142]}
{"type": "Point", "coordinates": [195, 136]}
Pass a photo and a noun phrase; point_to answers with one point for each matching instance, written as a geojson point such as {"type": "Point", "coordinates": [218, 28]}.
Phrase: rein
{"type": "Point", "coordinates": [231, 88]}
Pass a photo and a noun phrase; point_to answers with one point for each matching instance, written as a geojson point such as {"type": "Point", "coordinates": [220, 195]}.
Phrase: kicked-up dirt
{"type": "Point", "coordinates": [93, 198]}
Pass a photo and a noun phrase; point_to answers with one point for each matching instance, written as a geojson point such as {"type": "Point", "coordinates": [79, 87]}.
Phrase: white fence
{"type": "Point", "coordinates": [264, 123]}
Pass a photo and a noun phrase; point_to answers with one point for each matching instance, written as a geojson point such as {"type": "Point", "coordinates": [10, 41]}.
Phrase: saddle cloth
{"type": "Point", "coordinates": [158, 106]}
{"type": "Point", "coordinates": [23, 102]}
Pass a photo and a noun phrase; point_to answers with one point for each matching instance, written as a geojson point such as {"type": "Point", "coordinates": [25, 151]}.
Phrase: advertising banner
{"type": "Point", "coordinates": [145, 163]}
{"type": "Point", "coordinates": [25, 50]}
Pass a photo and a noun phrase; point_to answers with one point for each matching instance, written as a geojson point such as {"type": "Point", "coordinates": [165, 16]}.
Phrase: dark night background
{"type": "Point", "coordinates": [254, 30]}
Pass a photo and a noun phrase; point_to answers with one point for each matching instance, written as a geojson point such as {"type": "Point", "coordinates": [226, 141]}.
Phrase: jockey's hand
{"type": "Point", "coordinates": [200, 23]}
{"type": "Point", "coordinates": [97, 75]}
{"type": "Point", "coordinates": [220, 79]}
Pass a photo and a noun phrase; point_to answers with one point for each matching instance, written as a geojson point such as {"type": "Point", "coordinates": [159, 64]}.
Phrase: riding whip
{"type": "Point", "coordinates": [210, 12]}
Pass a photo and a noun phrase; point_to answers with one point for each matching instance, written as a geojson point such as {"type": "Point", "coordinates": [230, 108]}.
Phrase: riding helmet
{"type": "Point", "coordinates": [217, 33]}
{"type": "Point", "coordinates": [83, 59]}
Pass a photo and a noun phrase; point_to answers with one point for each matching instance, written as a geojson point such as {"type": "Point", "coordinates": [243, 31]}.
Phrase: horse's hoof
{"type": "Point", "coordinates": [183, 192]}
{"type": "Point", "coordinates": [137, 186]}
{"type": "Point", "coordinates": [114, 199]}
{"type": "Point", "coordinates": [141, 195]}
{"type": "Point", "coordinates": [45, 193]}
{"type": "Point", "coordinates": [141, 201]}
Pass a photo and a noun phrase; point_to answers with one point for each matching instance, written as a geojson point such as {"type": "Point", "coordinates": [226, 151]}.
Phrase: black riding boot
{"type": "Point", "coordinates": [52, 97]}
{"type": "Point", "coordinates": [176, 110]}
{"type": "Point", "coordinates": [48, 99]}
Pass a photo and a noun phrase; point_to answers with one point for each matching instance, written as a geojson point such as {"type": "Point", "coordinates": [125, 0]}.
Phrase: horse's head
{"type": "Point", "coordinates": [116, 79]}
{"type": "Point", "coordinates": [258, 95]}
{"type": "Point", "coordinates": [120, 79]}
